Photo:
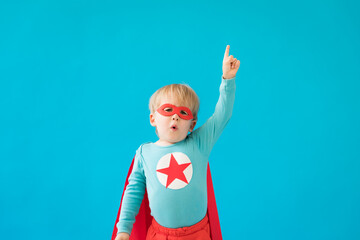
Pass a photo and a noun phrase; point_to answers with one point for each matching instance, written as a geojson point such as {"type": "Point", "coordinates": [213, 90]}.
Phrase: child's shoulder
{"type": "Point", "coordinates": [143, 145]}
{"type": "Point", "coordinates": [146, 144]}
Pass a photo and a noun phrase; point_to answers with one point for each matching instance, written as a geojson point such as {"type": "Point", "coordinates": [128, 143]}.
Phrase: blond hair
{"type": "Point", "coordinates": [182, 92]}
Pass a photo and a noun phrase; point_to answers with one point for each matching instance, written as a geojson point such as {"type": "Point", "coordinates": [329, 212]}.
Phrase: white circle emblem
{"type": "Point", "coordinates": [174, 170]}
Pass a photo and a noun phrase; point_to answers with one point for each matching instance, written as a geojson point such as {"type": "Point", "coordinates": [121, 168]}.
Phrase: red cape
{"type": "Point", "coordinates": [143, 218]}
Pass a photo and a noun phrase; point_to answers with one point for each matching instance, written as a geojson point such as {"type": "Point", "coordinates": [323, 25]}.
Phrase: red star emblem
{"type": "Point", "coordinates": [174, 171]}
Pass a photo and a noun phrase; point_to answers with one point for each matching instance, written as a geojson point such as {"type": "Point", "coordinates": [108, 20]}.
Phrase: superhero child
{"type": "Point", "coordinates": [170, 178]}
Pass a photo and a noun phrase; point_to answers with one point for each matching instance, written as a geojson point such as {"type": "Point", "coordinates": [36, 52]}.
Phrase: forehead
{"type": "Point", "coordinates": [172, 100]}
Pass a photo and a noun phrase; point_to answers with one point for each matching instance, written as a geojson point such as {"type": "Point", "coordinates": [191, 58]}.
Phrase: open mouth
{"type": "Point", "coordinates": [173, 127]}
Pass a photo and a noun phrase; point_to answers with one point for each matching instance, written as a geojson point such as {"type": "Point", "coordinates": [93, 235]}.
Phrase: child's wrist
{"type": "Point", "coordinates": [227, 76]}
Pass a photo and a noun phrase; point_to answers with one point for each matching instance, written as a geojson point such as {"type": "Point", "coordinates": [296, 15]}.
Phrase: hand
{"type": "Point", "coordinates": [230, 65]}
{"type": "Point", "coordinates": [122, 236]}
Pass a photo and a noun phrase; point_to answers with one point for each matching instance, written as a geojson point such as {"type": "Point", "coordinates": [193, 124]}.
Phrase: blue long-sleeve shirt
{"type": "Point", "coordinates": [175, 175]}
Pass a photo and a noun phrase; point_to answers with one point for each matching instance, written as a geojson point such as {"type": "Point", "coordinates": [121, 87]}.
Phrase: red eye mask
{"type": "Point", "coordinates": [168, 109]}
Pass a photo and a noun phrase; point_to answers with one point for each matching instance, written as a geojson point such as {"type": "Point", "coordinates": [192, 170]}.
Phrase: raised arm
{"type": "Point", "coordinates": [210, 131]}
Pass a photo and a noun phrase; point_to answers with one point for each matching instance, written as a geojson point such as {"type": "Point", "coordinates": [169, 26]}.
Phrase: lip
{"type": "Point", "coordinates": [174, 127]}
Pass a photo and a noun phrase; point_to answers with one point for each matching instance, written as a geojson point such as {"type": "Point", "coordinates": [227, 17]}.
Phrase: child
{"type": "Point", "coordinates": [173, 169]}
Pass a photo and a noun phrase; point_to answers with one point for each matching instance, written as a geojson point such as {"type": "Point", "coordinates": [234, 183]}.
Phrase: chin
{"type": "Point", "coordinates": [176, 140]}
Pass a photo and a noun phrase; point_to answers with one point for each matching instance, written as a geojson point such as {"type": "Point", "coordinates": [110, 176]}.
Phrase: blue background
{"type": "Point", "coordinates": [76, 77]}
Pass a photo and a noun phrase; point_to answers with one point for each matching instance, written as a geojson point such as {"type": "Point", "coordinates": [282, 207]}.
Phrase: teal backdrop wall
{"type": "Point", "coordinates": [76, 76]}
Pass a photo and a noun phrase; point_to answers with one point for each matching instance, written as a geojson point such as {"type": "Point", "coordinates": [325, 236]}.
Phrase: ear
{"type": "Point", "coordinates": [152, 120]}
{"type": "Point", "coordinates": [192, 125]}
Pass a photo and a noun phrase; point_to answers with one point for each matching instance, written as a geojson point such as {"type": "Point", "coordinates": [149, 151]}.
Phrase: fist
{"type": "Point", "coordinates": [122, 236]}
{"type": "Point", "coordinates": [230, 64]}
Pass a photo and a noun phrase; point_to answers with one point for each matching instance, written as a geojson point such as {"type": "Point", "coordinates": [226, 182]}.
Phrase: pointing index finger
{"type": "Point", "coordinates": [227, 51]}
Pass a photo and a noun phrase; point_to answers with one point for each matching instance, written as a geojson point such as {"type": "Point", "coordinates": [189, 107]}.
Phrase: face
{"type": "Point", "coordinates": [172, 124]}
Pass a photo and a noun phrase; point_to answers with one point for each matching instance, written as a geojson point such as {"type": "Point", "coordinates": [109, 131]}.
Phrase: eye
{"type": "Point", "coordinates": [184, 112]}
{"type": "Point", "coordinates": [168, 109]}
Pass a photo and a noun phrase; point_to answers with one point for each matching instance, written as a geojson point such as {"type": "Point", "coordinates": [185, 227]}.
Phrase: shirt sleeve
{"type": "Point", "coordinates": [207, 135]}
{"type": "Point", "coordinates": [133, 196]}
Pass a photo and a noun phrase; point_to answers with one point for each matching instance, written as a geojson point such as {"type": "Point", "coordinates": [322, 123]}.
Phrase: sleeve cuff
{"type": "Point", "coordinates": [227, 83]}
{"type": "Point", "coordinates": [222, 77]}
{"type": "Point", "coordinates": [123, 231]}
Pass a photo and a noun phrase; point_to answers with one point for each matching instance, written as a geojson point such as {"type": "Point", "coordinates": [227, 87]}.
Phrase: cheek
{"type": "Point", "coordinates": [186, 125]}
{"type": "Point", "coordinates": [161, 120]}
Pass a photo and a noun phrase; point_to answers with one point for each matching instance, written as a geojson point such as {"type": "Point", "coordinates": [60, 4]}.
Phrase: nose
{"type": "Point", "coordinates": [175, 117]}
